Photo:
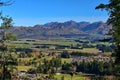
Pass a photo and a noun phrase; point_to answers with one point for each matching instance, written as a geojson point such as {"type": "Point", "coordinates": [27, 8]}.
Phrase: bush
{"type": "Point", "coordinates": [65, 54]}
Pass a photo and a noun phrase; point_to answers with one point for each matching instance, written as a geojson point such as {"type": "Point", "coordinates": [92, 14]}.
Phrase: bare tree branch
{"type": "Point", "coordinates": [6, 3]}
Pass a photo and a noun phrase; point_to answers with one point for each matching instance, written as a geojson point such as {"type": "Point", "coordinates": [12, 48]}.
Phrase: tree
{"type": "Point", "coordinates": [65, 54]}
{"type": "Point", "coordinates": [113, 8]}
{"type": "Point", "coordinates": [7, 59]}
{"type": "Point", "coordinates": [6, 3]}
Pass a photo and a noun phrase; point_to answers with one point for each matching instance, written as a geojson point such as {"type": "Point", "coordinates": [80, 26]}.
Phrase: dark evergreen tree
{"type": "Point", "coordinates": [113, 8]}
{"type": "Point", "coordinates": [65, 54]}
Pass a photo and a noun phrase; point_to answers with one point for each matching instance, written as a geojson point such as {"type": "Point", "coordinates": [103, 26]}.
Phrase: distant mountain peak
{"type": "Point", "coordinates": [68, 28]}
{"type": "Point", "coordinates": [70, 21]}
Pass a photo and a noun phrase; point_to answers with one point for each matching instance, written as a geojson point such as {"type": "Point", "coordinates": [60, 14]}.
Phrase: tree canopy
{"type": "Point", "coordinates": [113, 8]}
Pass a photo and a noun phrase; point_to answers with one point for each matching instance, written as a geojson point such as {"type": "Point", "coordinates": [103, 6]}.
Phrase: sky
{"type": "Point", "coordinates": [32, 12]}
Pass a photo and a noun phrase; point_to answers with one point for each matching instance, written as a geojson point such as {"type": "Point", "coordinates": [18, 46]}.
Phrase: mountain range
{"type": "Point", "coordinates": [65, 29]}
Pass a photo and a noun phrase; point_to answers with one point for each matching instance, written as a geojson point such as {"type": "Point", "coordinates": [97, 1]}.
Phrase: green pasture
{"type": "Point", "coordinates": [65, 60]}
{"type": "Point", "coordinates": [24, 68]}
{"type": "Point", "coordinates": [54, 41]}
{"type": "Point", "coordinates": [85, 50]}
{"type": "Point", "coordinates": [68, 77]}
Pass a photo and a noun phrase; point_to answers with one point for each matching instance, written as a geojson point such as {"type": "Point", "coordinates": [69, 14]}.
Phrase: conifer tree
{"type": "Point", "coordinates": [6, 58]}
{"type": "Point", "coordinates": [113, 8]}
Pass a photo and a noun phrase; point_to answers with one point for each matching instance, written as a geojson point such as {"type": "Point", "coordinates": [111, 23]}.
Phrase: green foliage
{"type": "Point", "coordinates": [66, 67]}
{"type": "Point", "coordinates": [6, 22]}
{"type": "Point", "coordinates": [49, 66]}
{"type": "Point", "coordinates": [95, 67]}
{"type": "Point", "coordinates": [113, 8]}
{"type": "Point", "coordinates": [9, 61]}
{"type": "Point", "coordinates": [65, 54]}
{"type": "Point", "coordinates": [80, 54]}
{"type": "Point", "coordinates": [11, 36]}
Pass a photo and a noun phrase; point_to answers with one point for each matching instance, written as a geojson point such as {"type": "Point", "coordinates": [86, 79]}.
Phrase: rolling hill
{"type": "Point", "coordinates": [65, 29]}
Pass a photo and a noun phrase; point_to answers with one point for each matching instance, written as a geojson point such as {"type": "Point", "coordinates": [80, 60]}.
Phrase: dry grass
{"type": "Point", "coordinates": [85, 50]}
{"type": "Point", "coordinates": [24, 68]}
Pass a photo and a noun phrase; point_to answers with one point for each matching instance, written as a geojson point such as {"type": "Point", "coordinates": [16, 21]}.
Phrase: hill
{"type": "Point", "coordinates": [65, 29]}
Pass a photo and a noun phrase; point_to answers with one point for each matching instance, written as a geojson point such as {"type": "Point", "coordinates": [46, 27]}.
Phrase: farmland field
{"type": "Point", "coordinates": [68, 77]}
{"type": "Point", "coordinates": [45, 56]}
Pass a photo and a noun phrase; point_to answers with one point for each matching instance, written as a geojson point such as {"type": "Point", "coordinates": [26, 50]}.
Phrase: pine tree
{"type": "Point", "coordinates": [7, 59]}
{"type": "Point", "coordinates": [113, 8]}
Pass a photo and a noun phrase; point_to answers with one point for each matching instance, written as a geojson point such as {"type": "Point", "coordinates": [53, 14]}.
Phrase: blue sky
{"type": "Point", "coordinates": [31, 12]}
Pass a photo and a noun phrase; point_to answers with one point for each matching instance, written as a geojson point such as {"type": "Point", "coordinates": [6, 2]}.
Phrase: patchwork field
{"type": "Point", "coordinates": [52, 56]}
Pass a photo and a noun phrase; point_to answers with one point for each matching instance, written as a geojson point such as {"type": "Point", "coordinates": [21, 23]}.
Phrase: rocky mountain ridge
{"type": "Point", "coordinates": [65, 29]}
